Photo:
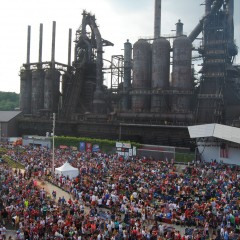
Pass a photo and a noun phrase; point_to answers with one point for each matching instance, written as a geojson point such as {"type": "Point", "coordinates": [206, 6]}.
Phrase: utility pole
{"type": "Point", "coordinates": [53, 143]}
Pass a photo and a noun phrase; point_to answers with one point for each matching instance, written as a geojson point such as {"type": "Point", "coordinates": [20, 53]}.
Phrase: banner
{"type": "Point", "coordinates": [88, 147]}
{"type": "Point", "coordinates": [118, 144]}
{"type": "Point", "coordinates": [130, 152]}
{"type": "Point", "coordinates": [95, 148]}
{"type": "Point", "coordinates": [126, 145]}
{"type": "Point", "coordinates": [82, 147]}
{"type": "Point", "coordinates": [134, 151]}
{"type": "Point", "coordinates": [63, 147]}
{"type": "Point", "coordinates": [73, 148]}
{"type": "Point", "coordinates": [224, 150]}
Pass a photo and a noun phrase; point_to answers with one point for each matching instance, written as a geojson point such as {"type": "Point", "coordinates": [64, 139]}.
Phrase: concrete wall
{"type": "Point", "coordinates": [4, 130]}
{"type": "Point", "coordinates": [13, 128]}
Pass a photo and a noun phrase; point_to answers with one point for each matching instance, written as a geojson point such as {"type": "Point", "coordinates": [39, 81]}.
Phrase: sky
{"type": "Point", "coordinates": [118, 20]}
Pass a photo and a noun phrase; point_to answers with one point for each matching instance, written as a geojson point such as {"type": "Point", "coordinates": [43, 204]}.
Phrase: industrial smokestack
{"type": "Point", "coordinates": [28, 44]}
{"type": "Point", "coordinates": [53, 40]}
{"type": "Point", "coordinates": [179, 28]}
{"type": "Point", "coordinates": [69, 46]}
{"type": "Point", "coordinates": [40, 43]}
{"type": "Point", "coordinates": [157, 19]}
{"type": "Point", "coordinates": [127, 73]}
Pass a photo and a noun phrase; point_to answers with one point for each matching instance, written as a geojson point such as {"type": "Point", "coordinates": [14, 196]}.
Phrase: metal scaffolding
{"type": "Point", "coordinates": [117, 69]}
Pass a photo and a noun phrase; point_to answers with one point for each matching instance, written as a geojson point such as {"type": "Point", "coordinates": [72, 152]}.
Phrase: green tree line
{"type": "Point", "coordinates": [9, 101]}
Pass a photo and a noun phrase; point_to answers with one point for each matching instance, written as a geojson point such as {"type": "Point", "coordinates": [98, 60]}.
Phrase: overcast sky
{"type": "Point", "coordinates": [118, 20]}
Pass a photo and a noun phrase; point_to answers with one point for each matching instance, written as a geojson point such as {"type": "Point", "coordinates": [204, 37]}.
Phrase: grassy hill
{"type": "Point", "coordinates": [9, 101]}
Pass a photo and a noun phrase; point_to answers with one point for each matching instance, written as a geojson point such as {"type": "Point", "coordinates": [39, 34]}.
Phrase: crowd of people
{"type": "Point", "coordinates": [115, 198]}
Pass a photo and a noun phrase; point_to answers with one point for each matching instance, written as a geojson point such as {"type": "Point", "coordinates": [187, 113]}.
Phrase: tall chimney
{"type": "Point", "coordinates": [69, 46]}
{"type": "Point", "coordinates": [157, 19]}
{"type": "Point", "coordinates": [40, 43]}
{"type": "Point", "coordinates": [28, 44]}
{"type": "Point", "coordinates": [179, 28]}
{"type": "Point", "coordinates": [53, 41]}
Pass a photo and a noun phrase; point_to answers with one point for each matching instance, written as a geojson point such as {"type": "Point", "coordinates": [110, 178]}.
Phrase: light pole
{"type": "Point", "coordinates": [53, 143]}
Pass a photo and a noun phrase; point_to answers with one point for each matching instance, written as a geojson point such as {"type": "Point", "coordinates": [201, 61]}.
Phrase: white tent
{"type": "Point", "coordinates": [67, 170]}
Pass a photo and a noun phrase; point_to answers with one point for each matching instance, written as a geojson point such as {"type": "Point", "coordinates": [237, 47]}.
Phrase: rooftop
{"type": "Point", "coordinates": [6, 116]}
{"type": "Point", "coordinates": [228, 133]}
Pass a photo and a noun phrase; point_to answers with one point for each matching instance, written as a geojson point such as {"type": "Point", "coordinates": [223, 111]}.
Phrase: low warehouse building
{"type": "Point", "coordinates": [8, 124]}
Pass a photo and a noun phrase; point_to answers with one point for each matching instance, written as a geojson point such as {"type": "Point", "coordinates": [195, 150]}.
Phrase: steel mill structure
{"type": "Point", "coordinates": [154, 94]}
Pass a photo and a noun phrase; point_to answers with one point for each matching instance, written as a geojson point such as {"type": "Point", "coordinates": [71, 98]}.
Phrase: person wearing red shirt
{"type": "Point", "coordinates": [134, 232]}
{"type": "Point", "coordinates": [177, 235]}
{"type": "Point", "coordinates": [93, 227]}
{"type": "Point", "coordinates": [237, 220]}
{"type": "Point", "coordinates": [70, 201]}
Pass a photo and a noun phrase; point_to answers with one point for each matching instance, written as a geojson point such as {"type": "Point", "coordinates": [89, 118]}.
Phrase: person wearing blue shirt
{"type": "Point", "coordinates": [225, 236]}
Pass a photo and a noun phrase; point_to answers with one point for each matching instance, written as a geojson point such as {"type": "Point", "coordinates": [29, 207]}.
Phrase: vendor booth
{"type": "Point", "coordinates": [67, 170]}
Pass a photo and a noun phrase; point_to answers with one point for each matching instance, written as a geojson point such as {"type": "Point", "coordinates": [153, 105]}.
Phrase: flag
{"type": "Point", "coordinates": [224, 150]}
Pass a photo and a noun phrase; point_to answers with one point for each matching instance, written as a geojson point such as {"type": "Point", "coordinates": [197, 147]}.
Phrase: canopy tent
{"type": "Point", "coordinates": [67, 170]}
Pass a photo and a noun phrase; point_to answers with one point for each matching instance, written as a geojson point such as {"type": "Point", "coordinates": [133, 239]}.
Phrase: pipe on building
{"type": "Point", "coordinates": [127, 64]}
{"type": "Point", "coordinates": [157, 19]}
{"type": "Point", "coordinates": [40, 43]}
{"type": "Point", "coordinates": [28, 44]}
{"type": "Point", "coordinates": [53, 41]}
{"type": "Point", "coordinates": [69, 46]}
{"type": "Point", "coordinates": [161, 116]}
{"type": "Point", "coordinates": [127, 73]}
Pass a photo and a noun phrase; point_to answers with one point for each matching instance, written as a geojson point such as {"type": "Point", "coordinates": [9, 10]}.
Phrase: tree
{"type": "Point", "coordinates": [9, 101]}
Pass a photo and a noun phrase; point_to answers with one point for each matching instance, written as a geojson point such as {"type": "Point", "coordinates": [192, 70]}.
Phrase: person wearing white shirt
{"type": "Point", "coordinates": [3, 232]}
{"type": "Point", "coordinates": [120, 227]}
{"type": "Point", "coordinates": [99, 202]}
{"type": "Point", "coordinates": [82, 208]}
{"type": "Point", "coordinates": [108, 202]}
{"type": "Point", "coordinates": [1, 237]}
{"type": "Point", "coordinates": [99, 236]}
{"type": "Point", "coordinates": [109, 227]}
{"type": "Point", "coordinates": [182, 219]}
{"type": "Point", "coordinates": [135, 195]}
{"type": "Point", "coordinates": [161, 229]}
